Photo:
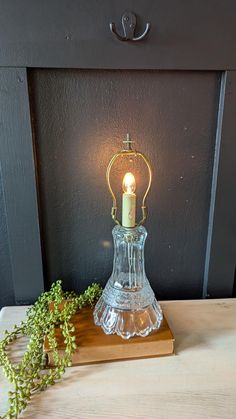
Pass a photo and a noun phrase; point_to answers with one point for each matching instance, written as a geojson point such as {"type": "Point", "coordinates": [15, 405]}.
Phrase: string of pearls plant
{"type": "Point", "coordinates": [30, 375]}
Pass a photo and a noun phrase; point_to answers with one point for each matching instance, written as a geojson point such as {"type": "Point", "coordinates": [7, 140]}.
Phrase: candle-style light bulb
{"type": "Point", "coordinates": [129, 183]}
{"type": "Point", "coordinates": [128, 200]}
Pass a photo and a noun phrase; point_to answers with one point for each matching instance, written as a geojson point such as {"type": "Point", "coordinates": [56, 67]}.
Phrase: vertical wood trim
{"type": "Point", "coordinates": [18, 171]}
{"type": "Point", "coordinates": [221, 242]}
{"type": "Point", "coordinates": [214, 181]}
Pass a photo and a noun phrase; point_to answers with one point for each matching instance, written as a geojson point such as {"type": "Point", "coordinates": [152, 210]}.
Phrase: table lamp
{"type": "Point", "coordinates": [128, 306]}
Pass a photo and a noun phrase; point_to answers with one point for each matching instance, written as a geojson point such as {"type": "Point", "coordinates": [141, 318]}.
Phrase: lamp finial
{"type": "Point", "coordinates": [128, 142]}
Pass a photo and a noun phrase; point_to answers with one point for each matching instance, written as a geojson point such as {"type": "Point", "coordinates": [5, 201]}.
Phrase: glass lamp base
{"type": "Point", "coordinates": [128, 306]}
{"type": "Point", "coordinates": [128, 323]}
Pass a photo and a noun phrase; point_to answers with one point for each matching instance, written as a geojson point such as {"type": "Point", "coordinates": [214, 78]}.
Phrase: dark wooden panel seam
{"type": "Point", "coordinates": [221, 243]}
{"type": "Point", "coordinates": [214, 180]}
{"type": "Point", "coordinates": [17, 164]}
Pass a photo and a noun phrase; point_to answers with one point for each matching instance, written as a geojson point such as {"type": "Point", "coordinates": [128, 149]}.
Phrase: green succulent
{"type": "Point", "coordinates": [30, 375]}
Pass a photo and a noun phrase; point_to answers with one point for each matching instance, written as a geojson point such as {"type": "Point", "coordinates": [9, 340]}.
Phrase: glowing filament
{"type": "Point", "coordinates": [129, 184]}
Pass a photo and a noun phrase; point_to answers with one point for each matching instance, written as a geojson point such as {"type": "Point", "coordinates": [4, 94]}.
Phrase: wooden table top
{"type": "Point", "coordinates": [199, 382]}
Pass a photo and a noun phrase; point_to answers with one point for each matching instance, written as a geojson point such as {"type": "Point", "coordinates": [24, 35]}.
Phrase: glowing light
{"type": "Point", "coordinates": [129, 184]}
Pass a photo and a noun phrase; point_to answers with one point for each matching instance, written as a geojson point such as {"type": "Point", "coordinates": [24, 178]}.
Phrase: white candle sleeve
{"type": "Point", "coordinates": [128, 209]}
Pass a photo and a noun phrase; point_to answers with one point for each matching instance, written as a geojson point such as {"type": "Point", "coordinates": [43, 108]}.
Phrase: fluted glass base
{"type": "Point", "coordinates": [128, 323]}
{"type": "Point", "coordinates": [128, 306]}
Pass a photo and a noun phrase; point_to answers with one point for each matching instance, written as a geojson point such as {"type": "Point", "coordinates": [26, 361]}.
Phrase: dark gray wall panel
{"type": "Point", "coordinates": [6, 285]}
{"type": "Point", "coordinates": [18, 180]}
{"type": "Point", "coordinates": [80, 118]}
{"type": "Point", "coordinates": [186, 34]}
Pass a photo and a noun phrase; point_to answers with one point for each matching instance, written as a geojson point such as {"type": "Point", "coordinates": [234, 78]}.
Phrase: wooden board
{"type": "Point", "coordinates": [95, 346]}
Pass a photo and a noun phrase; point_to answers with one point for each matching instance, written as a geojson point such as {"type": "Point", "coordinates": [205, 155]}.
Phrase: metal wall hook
{"type": "Point", "coordinates": [129, 24]}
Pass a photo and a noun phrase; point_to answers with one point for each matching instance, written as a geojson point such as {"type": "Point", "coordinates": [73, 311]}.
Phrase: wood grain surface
{"type": "Point", "coordinates": [95, 346]}
{"type": "Point", "coordinates": [197, 383]}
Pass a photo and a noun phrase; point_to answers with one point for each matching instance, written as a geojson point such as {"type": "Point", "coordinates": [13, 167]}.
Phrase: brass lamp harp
{"type": "Point", "coordinates": [128, 151]}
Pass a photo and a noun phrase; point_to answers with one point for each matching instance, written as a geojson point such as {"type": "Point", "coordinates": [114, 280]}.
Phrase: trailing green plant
{"type": "Point", "coordinates": [30, 374]}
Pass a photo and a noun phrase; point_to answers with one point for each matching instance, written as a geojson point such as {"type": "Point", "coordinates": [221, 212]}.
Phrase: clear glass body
{"type": "Point", "coordinates": [128, 306]}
